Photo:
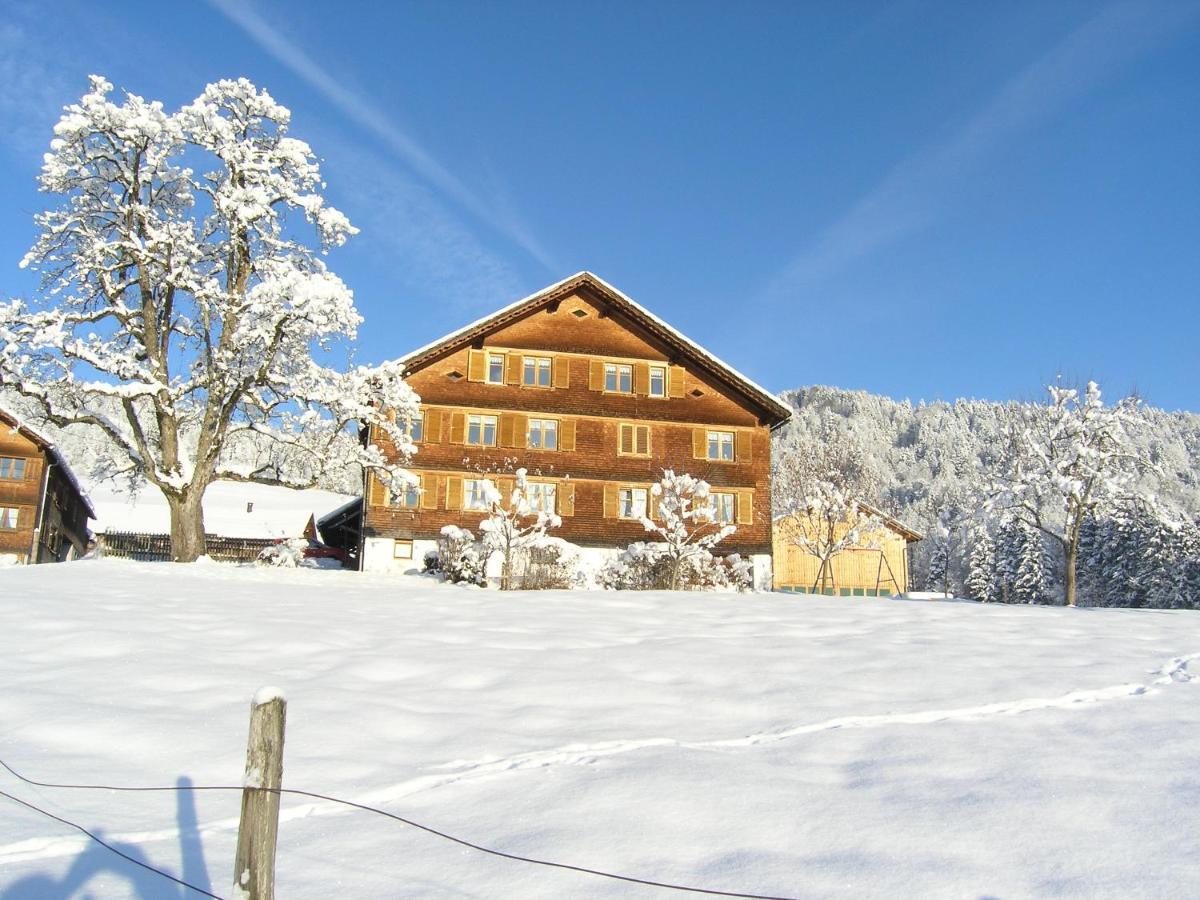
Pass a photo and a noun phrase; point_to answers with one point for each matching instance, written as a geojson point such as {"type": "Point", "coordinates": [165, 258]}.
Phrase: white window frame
{"type": "Point", "coordinates": [542, 496]}
{"type": "Point", "coordinates": [722, 507]}
{"type": "Point", "coordinates": [474, 496]}
{"type": "Point", "coordinates": [538, 367]}
{"type": "Point", "coordinates": [13, 468]}
{"type": "Point", "coordinates": [494, 359]}
{"type": "Point", "coordinates": [410, 493]}
{"type": "Point", "coordinates": [402, 549]}
{"type": "Point", "coordinates": [481, 423]}
{"type": "Point", "coordinates": [661, 371]}
{"type": "Point", "coordinates": [543, 428]}
{"type": "Point", "coordinates": [635, 500]}
{"type": "Point", "coordinates": [720, 440]}
{"type": "Point", "coordinates": [10, 518]}
{"type": "Point", "coordinates": [621, 374]}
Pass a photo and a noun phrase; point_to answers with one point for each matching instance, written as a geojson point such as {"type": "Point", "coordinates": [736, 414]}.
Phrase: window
{"type": "Point", "coordinates": [475, 494]}
{"type": "Point", "coordinates": [720, 445]}
{"type": "Point", "coordinates": [658, 381]}
{"type": "Point", "coordinates": [481, 431]}
{"type": "Point", "coordinates": [401, 549]}
{"type": "Point", "coordinates": [12, 469]}
{"type": "Point", "coordinates": [618, 379]}
{"type": "Point", "coordinates": [540, 496]}
{"type": "Point", "coordinates": [721, 507]}
{"type": "Point", "coordinates": [495, 368]}
{"type": "Point", "coordinates": [8, 517]}
{"type": "Point", "coordinates": [633, 440]}
{"type": "Point", "coordinates": [409, 497]}
{"type": "Point", "coordinates": [537, 371]}
{"type": "Point", "coordinates": [415, 427]}
{"type": "Point", "coordinates": [543, 434]}
{"type": "Point", "coordinates": [631, 503]}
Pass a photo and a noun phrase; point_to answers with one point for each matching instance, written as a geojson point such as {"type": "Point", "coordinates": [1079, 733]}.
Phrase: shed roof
{"type": "Point", "coordinates": [774, 411]}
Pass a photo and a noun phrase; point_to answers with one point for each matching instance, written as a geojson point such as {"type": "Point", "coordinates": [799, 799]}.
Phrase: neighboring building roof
{"type": "Point", "coordinates": [775, 410]}
{"type": "Point", "coordinates": [47, 446]}
{"type": "Point", "coordinates": [232, 509]}
{"type": "Point", "coordinates": [894, 524]}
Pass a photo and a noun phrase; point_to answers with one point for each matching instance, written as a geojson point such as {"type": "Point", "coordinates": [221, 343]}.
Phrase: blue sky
{"type": "Point", "coordinates": [922, 200]}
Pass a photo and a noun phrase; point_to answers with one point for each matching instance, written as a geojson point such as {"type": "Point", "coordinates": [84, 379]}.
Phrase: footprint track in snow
{"type": "Point", "coordinates": [1174, 671]}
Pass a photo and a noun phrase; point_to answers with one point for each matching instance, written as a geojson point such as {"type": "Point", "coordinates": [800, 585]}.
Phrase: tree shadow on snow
{"type": "Point", "coordinates": [142, 883]}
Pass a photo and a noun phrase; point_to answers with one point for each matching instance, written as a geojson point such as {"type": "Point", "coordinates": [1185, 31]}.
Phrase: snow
{"type": "Point", "coordinates": [767, 743]}
{"type": "Point", "coordinates": [275, 511]}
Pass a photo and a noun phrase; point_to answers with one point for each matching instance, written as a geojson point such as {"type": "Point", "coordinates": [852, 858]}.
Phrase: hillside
{"type": "Point", "coordinates": [934, 458]}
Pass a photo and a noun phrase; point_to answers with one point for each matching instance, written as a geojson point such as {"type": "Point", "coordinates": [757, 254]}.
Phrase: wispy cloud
{"type": "Point", "coordinates": [916, 190]}
{"type": "Point", "coordinates": [32, 93]}
{"type": "Point", "coordinates": [367, 115]}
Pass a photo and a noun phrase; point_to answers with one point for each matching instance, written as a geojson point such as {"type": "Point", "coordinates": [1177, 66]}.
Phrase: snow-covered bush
{"type": "Point", "coordinates": [649, 566]}
{"type": "Point", "coordinates": [432, 564]}
{"type": "Point", "coordinates": [459, 557]}
{"type": "Point", "coordinates": [685, 525]}
{"type": "Point", "coordinates": [550, 564]}
{"type": "Point", "coordinates": [286, 554]}
{"type": "Point", "coordinates": [513, 525]}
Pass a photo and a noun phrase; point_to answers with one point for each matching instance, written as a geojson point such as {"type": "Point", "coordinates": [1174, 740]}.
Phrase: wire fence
{"type": "Point", "coordinates": [312, 795]}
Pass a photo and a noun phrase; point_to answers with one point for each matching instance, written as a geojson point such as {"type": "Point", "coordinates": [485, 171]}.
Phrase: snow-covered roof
{"type": "Point", "coordinates": [231, 509]}
{"type": "Point", "coordinates": [44, 443]}
{"type": "Point", "coordinates": [777, 410]}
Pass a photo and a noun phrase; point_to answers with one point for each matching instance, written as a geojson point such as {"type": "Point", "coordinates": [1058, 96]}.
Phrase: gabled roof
{"type": "Point", "coordinates": [47, 446]}
{"type": "Point", "coordinates": [774, 411]}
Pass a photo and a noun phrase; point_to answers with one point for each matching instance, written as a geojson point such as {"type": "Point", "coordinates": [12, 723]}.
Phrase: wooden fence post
{"type": "Point", "coordinates": [254, 864]}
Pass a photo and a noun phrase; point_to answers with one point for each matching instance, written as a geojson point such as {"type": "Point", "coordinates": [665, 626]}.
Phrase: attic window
{"type": "Point", "coordinates": [579, 313]}
{"type": "Point", "coordinates": [697, 393]}
{"type": "Point", "coordinates": [455, 376]}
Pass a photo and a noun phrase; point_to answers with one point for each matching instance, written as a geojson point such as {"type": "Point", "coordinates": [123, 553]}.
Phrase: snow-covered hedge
{"type": "Point", "coordinates": [645, 566]}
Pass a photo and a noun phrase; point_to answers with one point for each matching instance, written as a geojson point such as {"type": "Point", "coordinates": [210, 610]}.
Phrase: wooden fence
{"type": "Point", "coordinates": [157, 547]}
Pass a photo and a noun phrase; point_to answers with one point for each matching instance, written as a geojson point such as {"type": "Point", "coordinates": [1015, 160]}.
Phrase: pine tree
{"type": "Point", "coordinates": [1030, 577]}
{"type": "Point", "coordinates": [981, 565]}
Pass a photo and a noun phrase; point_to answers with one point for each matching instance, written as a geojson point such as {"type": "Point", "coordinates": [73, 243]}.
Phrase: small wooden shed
{"type": "Point", "coordinates": [878, 570]}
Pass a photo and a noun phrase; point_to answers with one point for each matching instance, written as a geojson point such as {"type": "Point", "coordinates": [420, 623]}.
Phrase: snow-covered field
{"type": "Point", "coordinates": [771, 744]}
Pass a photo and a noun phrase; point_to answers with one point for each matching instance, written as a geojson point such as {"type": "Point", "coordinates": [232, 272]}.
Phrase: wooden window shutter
{"type": "Point", "coordinates": [429, 492]}
{"type": "Point", "coordinates": [454, 492]}
{"type": "Point", "coordinates": [566, 435]}
{"type": "Point", "coordinates": [625, 441]}
{"type": "Point", "coordinates": [562, 371]}
{"type": "Point", "coordinates": [611, 508]}
{"type": "Point", "coordinates": [641, 378]}
{"type": "Point", "coordinates": [676, 381]}
{"type": "Point", "coordinates": [595, 375]}
{"type": "Point", "coordinates": [505, 487]}
{"type": "Point", "coordinates": [376, 492]}
{"type": "Point", "coordinates": [520, 435]}
{"type": "Point", "coordinates": [700, 443]}
{"type": "Point", "coordinates": [476, 365]}
{"type": "Point", "coordinates": [431, 433]}
{"type": "Point", "coordinates": [512, 369]}
{"type": "Point", "coordinates": [506, 430]}
{"type": "Point", "coordinates": [32, 469]}
{"type": "Point", "coordinates": [565, 498]}
{"type": "Point", "coordinates": [642, 440]}
{"type": "Point", "coordinates": [745, 508]}
{"type": "Point", "coordinates": [652, 505]}
{"type": "Point", "coordinates": [742, 452]}
{"type": "Point", "coordinates": [458, 427]}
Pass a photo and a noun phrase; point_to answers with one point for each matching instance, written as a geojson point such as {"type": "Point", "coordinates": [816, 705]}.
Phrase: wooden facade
{"type": "Point", "coordinates": [43, 511]}
{"type": "Point", "coordinates": [592, 395]}
{"type": "Point", "coordinates": [876, 569]}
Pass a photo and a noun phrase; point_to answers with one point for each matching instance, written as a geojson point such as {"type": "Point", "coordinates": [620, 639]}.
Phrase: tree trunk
{"type": "Point", "coordinates": [1071, 554]}
{"type": "Point", "coordinates": [187, 526]}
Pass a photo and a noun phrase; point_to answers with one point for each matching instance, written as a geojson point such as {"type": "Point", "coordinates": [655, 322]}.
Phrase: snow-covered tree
{"type": "Point", "coordinates": [181, 308]}
{"type": "Point", "coordinates": [1066, 460]}
{"type": "Point", "coordinates": [981, 565]}
{"type": "Point", "coordinates": [683, 521]}
{"type": "Point", "coordinates": [823, 486]}
{"type": "Point", "coordinates": [513, 525]}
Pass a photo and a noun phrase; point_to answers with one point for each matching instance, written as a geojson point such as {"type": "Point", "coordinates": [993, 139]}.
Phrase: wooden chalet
{"type": "Point", "coordinates": [878, 568]}
{"type": "Point", "coordinates": [43, 510]}
{"type": "Point", "coordinates": [595, 396]}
